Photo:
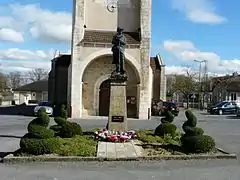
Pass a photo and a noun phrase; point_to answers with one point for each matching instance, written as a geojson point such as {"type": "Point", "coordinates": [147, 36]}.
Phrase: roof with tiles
{"type": "Point", "coordinates": [94, 36]}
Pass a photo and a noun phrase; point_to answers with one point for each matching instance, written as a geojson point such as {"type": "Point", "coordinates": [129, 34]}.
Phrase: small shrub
{"type": "Point", "coordinates": [77, 146]}
{"type": "Point", "coordinates": [63, 112]}
{"type": "Point", "coordinates": [147, 136]}
{"type": "Point", "coordinates": [166, 127]}
{"type": "Point", "coordinates": [198, 144]}
{"type": "Point", "coordinates": [36, 146]}
{"type": "Point", "coordinates": [36, 131]}
{"type": "Point", "coordinates": [60, 121]}
{"type": "Point", "coordinates": [70, 129]}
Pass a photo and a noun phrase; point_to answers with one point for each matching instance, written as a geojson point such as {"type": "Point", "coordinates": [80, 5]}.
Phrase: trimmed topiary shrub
{"type": "Point", "coordinates": [193, 141]}
{"type": "Point", "coordinates": [63, 112]}
{"type": "Point", "coordinates": [34, 142]}
{"type": "Point", "coordinates": [198, 144]}
{"type": "Point", "coordinates": [40, 132]}
{"type": "Point", "coordinates": [70, 129]}
{"type": "Point", "coordinates": [42, 119]}
{"type": "Point", "coordinates": [35, 146]}
{"type": "Point", "coordinates": [60, 121]}
{"type": "Point", "coordinates": [166, 127]}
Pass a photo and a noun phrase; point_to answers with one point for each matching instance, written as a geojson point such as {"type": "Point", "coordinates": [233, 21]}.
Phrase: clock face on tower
{"type": "Point", "coordinates": [112, 5]}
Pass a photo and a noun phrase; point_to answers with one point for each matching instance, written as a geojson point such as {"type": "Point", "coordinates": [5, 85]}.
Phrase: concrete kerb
{"type": "Point", "coordinates": [97, 159]}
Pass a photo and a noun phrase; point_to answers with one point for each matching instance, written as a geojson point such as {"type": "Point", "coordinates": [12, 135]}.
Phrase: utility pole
{"type": "Point", "coordinates": [200, 82]}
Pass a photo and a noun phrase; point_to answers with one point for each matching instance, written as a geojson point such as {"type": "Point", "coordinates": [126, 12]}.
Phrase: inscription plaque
{"type": "Point", "coordinates": [117, 118]}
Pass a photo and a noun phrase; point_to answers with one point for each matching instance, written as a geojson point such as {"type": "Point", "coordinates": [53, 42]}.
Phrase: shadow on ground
{"type": "Point", "coordinates": [21, 109]}
{"type": "Point", "coordinates": [233, 117]}
{"type": "Point", "coordinates": [10, 136]}
{"type": "Point", "coordinates": [4, 154]}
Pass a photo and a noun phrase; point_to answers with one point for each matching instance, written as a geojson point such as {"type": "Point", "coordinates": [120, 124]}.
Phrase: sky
{"type": "Point", "coordinates": [182, 31]}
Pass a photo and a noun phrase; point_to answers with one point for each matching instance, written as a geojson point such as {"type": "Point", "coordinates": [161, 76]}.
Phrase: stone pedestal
{"type": "Point", "coordinates": [117, 119]}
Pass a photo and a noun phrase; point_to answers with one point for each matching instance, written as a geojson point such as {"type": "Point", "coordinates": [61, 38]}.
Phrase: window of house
{"type": "Point", "coordinates": [233, 96]}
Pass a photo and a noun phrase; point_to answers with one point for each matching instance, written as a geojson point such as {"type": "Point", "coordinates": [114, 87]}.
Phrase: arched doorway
{"type": "Point", "coordinates": [104, 98]}
{"type": "Point", "coordinates": [104, 101]}
{"type": "Point", "coordinates": [96, 89]}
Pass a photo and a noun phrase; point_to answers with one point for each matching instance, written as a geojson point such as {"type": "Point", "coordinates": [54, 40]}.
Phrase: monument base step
{"type": "Point", "coordinates": [119, 150]}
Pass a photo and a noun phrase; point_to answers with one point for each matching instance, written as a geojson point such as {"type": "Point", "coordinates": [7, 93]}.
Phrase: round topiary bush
{"type": "Point", "coordinates": [70, 129]}
{"type": "Point", "coordinates": [165, 128]}
{"type": "Point", "coordinates": [193, 141]}
{"type": "Point", "coordinates": [60, 121]}
{"type": "Point", "coordinates": [198, 144]}
{"type": "Point", "coordinates": [36, 131]}
{"type": "Point", "coordinates": [36, 146]}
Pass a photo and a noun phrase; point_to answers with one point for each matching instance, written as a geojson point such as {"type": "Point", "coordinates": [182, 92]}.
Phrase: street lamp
{"type": "Point", "coordinates": [199, 79]}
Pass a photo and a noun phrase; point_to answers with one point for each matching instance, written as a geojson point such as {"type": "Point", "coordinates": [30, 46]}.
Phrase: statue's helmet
{"type": "Point", "coordinates": [119, 29]}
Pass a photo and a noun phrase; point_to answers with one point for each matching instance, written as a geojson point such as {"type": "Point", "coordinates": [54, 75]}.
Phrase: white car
{"type": "Point", "coordinates": [44, 104]}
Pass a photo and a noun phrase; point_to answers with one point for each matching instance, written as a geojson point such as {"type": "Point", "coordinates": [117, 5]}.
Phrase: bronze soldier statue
{"type": "Point", "coordinates": [118, 48]}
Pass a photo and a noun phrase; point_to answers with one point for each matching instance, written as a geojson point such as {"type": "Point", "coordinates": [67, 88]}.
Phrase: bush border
{"type": "Point", "coordinates": [11, 159]}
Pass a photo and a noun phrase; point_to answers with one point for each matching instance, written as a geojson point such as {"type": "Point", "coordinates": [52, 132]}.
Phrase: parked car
{"type": "Point", "coordinates": [224, 107]}
{"type": "Point", "coordinates": [159, 107]}
{"type": "Point", "coordinates": [170, 106]}
{"type": "Point", "coordinates": [44, 104]}
{"type": "Point", "coordinates": [238, 109]}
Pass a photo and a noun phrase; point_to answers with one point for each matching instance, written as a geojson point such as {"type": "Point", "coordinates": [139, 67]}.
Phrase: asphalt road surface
{"type": "Point", "coordinates": [225, 130]}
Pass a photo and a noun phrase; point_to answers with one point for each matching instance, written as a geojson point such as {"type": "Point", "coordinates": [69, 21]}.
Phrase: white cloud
{"type": "Point", "coordinates": [175, 70]}
{"type": "Point", "coordinates": [179, 45]}
{"type": "Point", "coordinates": [19, 54]}
{"type": "Point", "coordinates": [214, 62]}
{"type": "Point", "coordinates": [23, 60]}
{"type": "Point", "coordinates": [199, 11]}
{"type": "Point", "coordinates": [44, 24]}
{"type": "Point", "coordinates": [7, 34]}
{"type": "Point", "coordinates": [6, 21]}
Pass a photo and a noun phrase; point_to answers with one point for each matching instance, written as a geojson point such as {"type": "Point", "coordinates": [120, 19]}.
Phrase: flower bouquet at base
{"type": "Point", "coordinates": [115, 136]}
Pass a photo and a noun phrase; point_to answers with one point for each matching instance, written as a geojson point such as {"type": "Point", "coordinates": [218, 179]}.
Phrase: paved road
{"type": "Point", "coordinates": [225, 130]}
{"type": "Point", "coordinates": [166, 170]}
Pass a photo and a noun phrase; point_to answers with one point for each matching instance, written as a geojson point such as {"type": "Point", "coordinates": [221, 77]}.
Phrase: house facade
{"type": "Point", "coordinates": [225, 88]}
{"type": "Point", "coordinates": [31, 93]}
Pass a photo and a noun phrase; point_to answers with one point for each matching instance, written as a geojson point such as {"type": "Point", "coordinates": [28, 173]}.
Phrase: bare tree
{"type": "Point", "coordinates": [13, 79]}
{"type": "Point", "coordinates": [37, 74]}
{"type": "Point", "coordinates": [185, 84]}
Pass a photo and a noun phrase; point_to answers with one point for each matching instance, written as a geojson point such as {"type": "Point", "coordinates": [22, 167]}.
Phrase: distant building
{"type": "Point", "coordinates": [31, 93]}
{"type": "Point", "coordinates": [225, 88]}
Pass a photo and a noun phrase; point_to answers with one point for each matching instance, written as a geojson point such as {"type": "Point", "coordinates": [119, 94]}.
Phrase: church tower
{"type": "Point", "coordinates": [94, 24]}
